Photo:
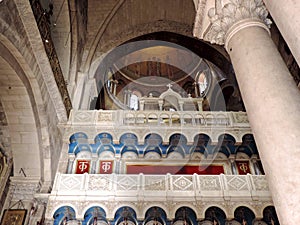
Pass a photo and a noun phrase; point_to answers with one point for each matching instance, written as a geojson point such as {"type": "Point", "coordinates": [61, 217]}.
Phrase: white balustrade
{"type": "Point", "coordinates": [208, 186]}
{"type": "Point", "coordinates": [189, 123]}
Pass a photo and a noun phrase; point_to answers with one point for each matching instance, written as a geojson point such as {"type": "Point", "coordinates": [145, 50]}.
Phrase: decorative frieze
{"type": "Point", "coordinates": [169, 206]}
{"type": "Point", "coordinates": [141, 191]}
{"type": "Point", "coordinates": [23, 189]}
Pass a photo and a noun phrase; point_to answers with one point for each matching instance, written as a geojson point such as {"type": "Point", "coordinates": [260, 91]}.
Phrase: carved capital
{"type": "Point", "coordinates": [235, 15]}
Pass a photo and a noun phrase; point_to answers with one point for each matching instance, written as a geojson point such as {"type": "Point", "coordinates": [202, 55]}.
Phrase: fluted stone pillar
{"type": "Point", "coordinates": [287, 18]}
{"type": "Point", "coordinates": [271, 97]}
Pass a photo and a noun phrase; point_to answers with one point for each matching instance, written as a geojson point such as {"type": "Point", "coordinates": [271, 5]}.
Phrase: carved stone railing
{"type": "Point", "coordinates": [42, 18]}
{"type": "Point", "coordinates": [158, 118]}
{"type": "Point", "coordinates": [188, 123]}
{"type": "Point", "coordinates": [210, 186]}
{"type": "Point", "coordinates": [86, 189]}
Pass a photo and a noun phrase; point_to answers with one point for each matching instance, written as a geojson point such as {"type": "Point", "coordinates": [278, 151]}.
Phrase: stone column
{"type": "Point", "coordinates": [287, 18]}
{"type": "Point", "coordinates": [271, 97]}
{"type": "Point", "coordinates": [231, 160]}
{"type": "Point", "coordinates": [256, 169]}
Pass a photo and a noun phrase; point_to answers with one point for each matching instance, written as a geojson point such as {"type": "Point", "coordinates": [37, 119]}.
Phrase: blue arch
{"type": "Point", "coordinates": [104, 148]}
{"type": "Point", "coordinates": [78, 137]}
{"type": "Point", "coordinates": [125, 213]}
{"type": "Point", "coordinates": [129, 138]}
{"type": "Point", "coordinates": [64, 213]}
{"type": "Point", "coordinates": [93, 214]}
{"type": "Point", "coordinates": [153, 139]}
{"type": "Point", "coordinates": [82, 147]}
{"type": "Point", "coordinates": [104, 138]}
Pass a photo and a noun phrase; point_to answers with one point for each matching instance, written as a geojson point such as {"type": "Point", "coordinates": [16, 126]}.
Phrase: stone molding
{"type": "Point", "coordinates": [170, 207]}
{"type": "Point", "coordinates": [167, 191]}
{"type": "Point", "coordinates": [234, 16]}
{"type": "Point", "coordinates": [24, 188]}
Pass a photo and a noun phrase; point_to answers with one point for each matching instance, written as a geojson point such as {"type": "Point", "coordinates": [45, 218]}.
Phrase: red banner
{"type": "Point", "coordinates": [83, 166]}
{"type": "Point", "coordinates": [243, 167]}
{"type": "Point", "coordinates": [106, 166]}
{"type": "Point", "coordinates": [157, 169]}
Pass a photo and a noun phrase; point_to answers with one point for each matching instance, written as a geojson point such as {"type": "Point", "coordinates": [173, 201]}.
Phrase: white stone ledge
{"type": "Point", "coordinates": [162, 187]}
{"type": "Point", "coordinates": [82, 191]}
{"type": "Point", "coordinates": [164, 123]}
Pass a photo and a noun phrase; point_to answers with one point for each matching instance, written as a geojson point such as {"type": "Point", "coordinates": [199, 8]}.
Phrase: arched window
{"type": "Point", "coordinates": [202, 82]}
{"type": "Point", "coordinates": [134, 102]}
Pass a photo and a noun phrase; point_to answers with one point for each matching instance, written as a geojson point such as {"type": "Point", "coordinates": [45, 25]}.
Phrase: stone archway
{"type": "Point", "coordinates": [26, 117]}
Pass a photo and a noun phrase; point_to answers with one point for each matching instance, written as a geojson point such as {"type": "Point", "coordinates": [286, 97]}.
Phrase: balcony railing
{"type": "Point", "coordinates": [161, 186]}
{"type": "Point", "coordinates": [158, 118]}
{"type": "Point", "coordinates": [164, 123]}
{"type": "Point", "coordinates": [140, 191]}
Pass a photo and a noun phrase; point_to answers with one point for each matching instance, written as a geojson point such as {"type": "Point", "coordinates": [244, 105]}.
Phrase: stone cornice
{"type": "Point", "coordinates": [222, 20]}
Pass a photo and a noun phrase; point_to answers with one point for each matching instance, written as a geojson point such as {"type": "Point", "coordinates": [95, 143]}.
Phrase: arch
{"type": "Point", "coordinates": [226, 139]}
{"type": "Point", "coordinates": [183, 205]}
{"type": "Point", "coordinates": [214, 205]}
{"type": "Point", "coordinates": [247, 138]}
{"type": "Point", "coordinates": [79, 137]}
{"type": "Point", "coordinates": [175, 152]}
{"type": "Point", "coordinates": [188, 119]}
{"type": "Point", "coordinates": [125, 213]}
{"type": "Point", "coordinates": [249, 141]}
{"type": "Point", "coordinates": [224, 150]}
{"type": "Point", "coordinates": [97, 205]}
{"type": "Point", "coordinates": [156, 214]}
{"type": "Point", "coordinates": [153, 149]}
{"type": "Point", "coordinates": [270, 215]}
{"type": "Point", "coordinates": [95, 214]}
{"type": "Point", "coordinates": [100, 64]}
{"type": "Point", "coordinates": [153, 139]}
{"type": "Point", "coordinates": [140, 118]}
{"type": "Point", "coordinates": [106, 150]}
{"type": "Point", "coordinates": [245, 150]}
{"type": "Point", "coordinates": [168, 93]}
{"type": "Point", "coordinates": [104, 138]}
{"type": "Point", "coordinates": [173, 35]}
{"type": "Point", "coordinates": [136, 33]}
{"type": "Point", "coordinates": [185, 214]}
{"type": "Point", "coordinates": [82, 148]}
{"type": "Point", "coordinates": [199, 119]}
{"type": "Point", "coordinates": [36, 115]}
{"type": "Point", "coordinates": [152, 118]}
{"type": "Point", "coordinates": [214, 213]}
{"type": "Point", "coordinates": [129, 139]}
{"type": "Point", "coordinates": [132, 150]}
{"type": "Point", "coordinates": [177, 139]}
{"type": "Point", "coordinates": [243, 213]}
{"type": "Point", "coordinates": [64, 213]}
{"type": "Point", "coordinates": [202, 139]}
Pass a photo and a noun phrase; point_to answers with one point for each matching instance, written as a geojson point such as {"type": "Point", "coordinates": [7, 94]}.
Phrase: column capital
{"type": "Point", "coordinates": [24, 188]}
{"type": "Point", "coordinates": [234, 16]}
